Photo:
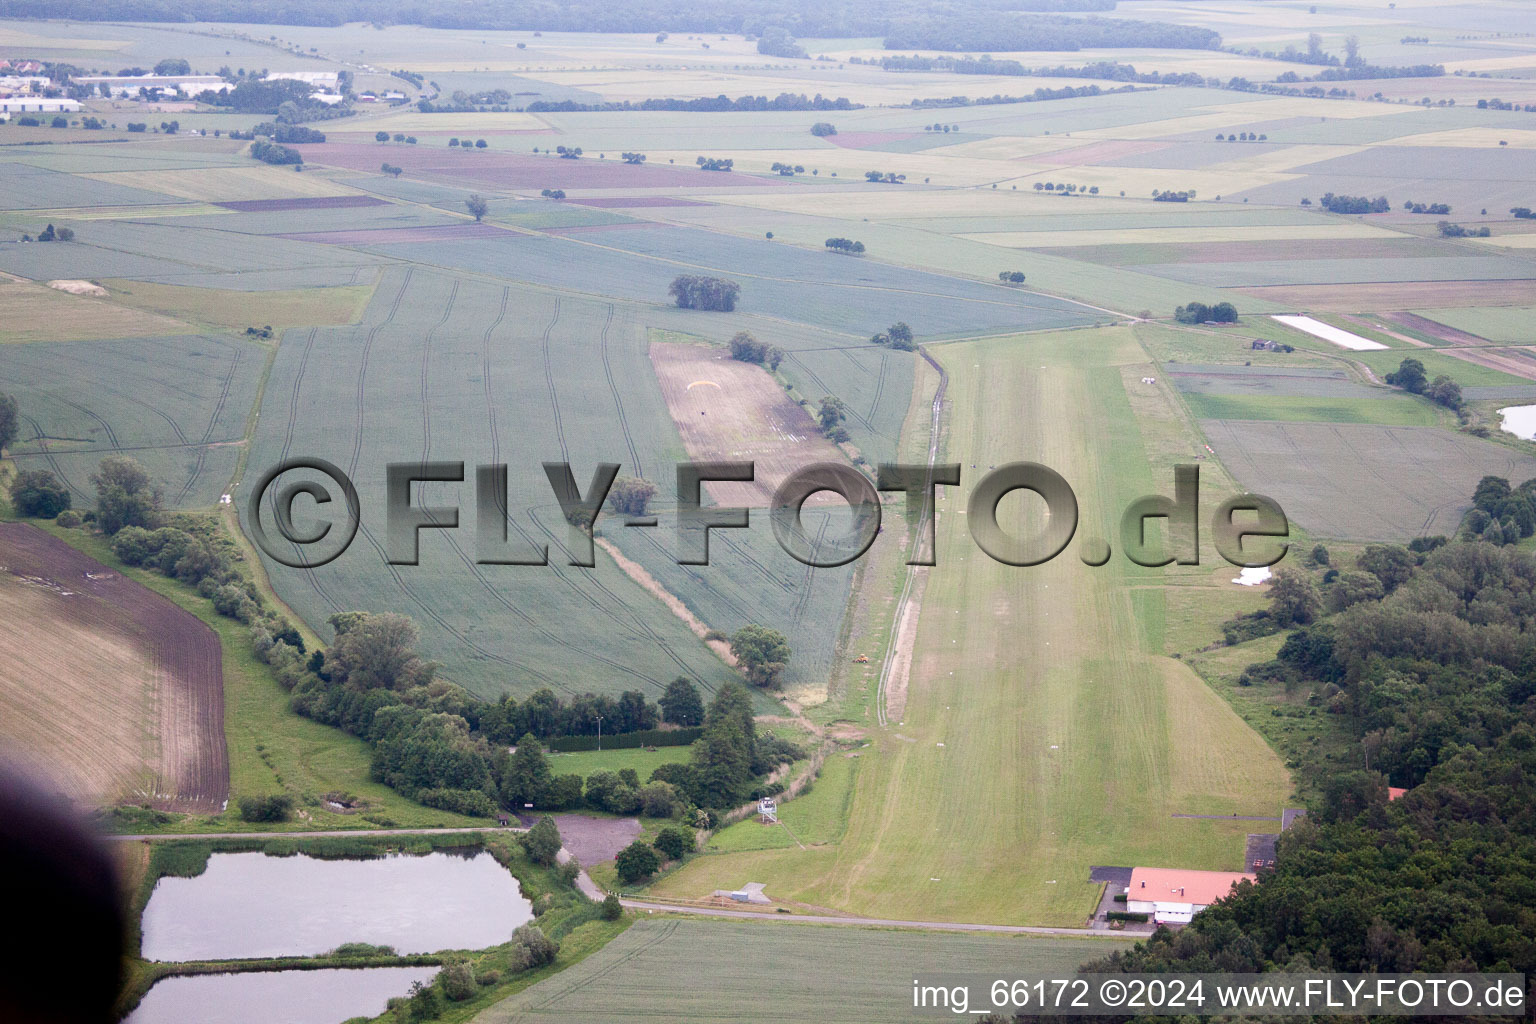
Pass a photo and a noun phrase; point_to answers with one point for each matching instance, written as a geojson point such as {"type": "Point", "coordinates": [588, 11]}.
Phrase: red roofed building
{"type": "Point", "coordinates": [1393, 792]}
{"type": "Point", "coordinates": [1176, 895]}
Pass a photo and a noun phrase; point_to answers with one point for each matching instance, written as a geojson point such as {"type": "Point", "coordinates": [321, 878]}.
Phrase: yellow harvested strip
{"type": "Point", "coordinates": [1474, 138]}
{"type": "Point", "coordinates": [224, 184]}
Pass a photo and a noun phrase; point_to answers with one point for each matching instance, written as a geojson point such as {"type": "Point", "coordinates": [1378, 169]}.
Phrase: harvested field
{"type": "Point", "coordinates": [1520, 362]}
{"type": "Point", "coordinates": [32, 312]}
{"type": "Point", "coordinates": [301, 203]}
{"type": "Point", "coordinates": [1346, 480]}
{"type": "Point", "coordinates": [734, 411]}
{"type": "Point", "coordinates": [113, 690]}
{"type": "Point", "coordinates": [223, 184]}
{"type": "Point", "coordinates": [1365, 297]}
{"type": "Point", "coordinates": [223, 307]}
{"type": "Point", "coordinates": [383, 236]}
{"type": "Point", "coordinates": [79, 288]}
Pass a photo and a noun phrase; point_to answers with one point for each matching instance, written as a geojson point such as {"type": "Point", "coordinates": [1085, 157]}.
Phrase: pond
{"type": "Point", "coordinates": [250, 905]}
{"type": "Point", "coordinates": [294, 997]}
{"type": "Point", "coordinates": [1519, 420]}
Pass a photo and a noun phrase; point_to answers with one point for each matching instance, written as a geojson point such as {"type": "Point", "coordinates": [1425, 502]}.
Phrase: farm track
{"type": "Point", "coordinates": [362, 368]}
{"type": "Point", "coordinates": [549, 379]}
{"type": "Point", "coordinates": [874, 403]}
{"type": "Point", "coordinates": [53, 463]}
{"type": "Point", "coordinates": [293, 415]}
{"type": "Point", "coordinates": [825, 390]}
{"type": "Point", "coordinates": [213, 421]}
{"type": "Point", "coordinates": [891, 653]}
{"type": "Point", "coordinates": [618, 402]}
{"type": "Point", "coordinates": [797, 611]}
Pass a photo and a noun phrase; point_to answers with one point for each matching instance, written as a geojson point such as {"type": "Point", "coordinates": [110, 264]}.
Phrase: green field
{"type": "Point", "coordinates": [1039, 751]}
{"type": "Point", "coordinates": [815, 818]}
{"type": "Point", "coordinates": [1390, 409]}
{"type": "Point", "coordinates": [1506, 325]}
{"type": "Point", "coordinates": [585, 762]}
{"type": "Point", "coordinates": [1463, 372]}
{"type": "Point", "coordinates": [636, 976]}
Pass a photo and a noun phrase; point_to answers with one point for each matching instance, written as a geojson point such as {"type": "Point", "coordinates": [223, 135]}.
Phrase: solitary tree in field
{"type": "Point", "coordinates": [381, 136]}
{"type": "Point", "coordinates": [761, 652]}
{"type": "Point", "coordinates": [477, 206]}
{"type": "Point", "coordinates": [630, 496]}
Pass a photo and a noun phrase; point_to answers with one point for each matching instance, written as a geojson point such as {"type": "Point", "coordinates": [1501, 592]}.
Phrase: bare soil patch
{"type": "Point", "coordinates": [729, 410]}
{"type": "Point", "coordinates": [110, 688]}
{"type": "Point", "coordinates": [594, 840]}
{"type": "Point", "coordinates": [79, 288]}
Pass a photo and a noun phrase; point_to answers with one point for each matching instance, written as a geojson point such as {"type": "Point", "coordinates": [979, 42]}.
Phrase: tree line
{"type": "Point", "coordinates": [706, 104]}
{"type": "Point", "coordinates": [1422, 656]}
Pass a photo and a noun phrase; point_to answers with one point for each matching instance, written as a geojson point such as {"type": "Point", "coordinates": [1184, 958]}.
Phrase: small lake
{"type": "Point", "coordinates": [249, 905]}
{"type": "Point", "coordinates": [293, 997]}
{"type": "Point", "coordinates": [1519, 420]}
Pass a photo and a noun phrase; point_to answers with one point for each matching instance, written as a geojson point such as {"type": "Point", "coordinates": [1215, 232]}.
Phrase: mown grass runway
{"type": "Point", "coordinates": [1043, 731]}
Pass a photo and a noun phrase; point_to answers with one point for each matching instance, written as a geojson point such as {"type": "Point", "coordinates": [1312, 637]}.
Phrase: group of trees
{"type": "Point", "coordinates": [1440, 209]}
{"type": "Point", "coordinates": [1523, 213]}
{"type": "Point", "coordinates": [692, 291]}
{"type": "Point", "coordinates": [1242, 137]}
{"type": "Point", "coordinates": [553, 193]}
{"type": "Point", "coordinates": [899, 336]}
{"type": "Point", "coordinates": [275, 153]}
{"type": "Point", "coordinates": [1200, 313]}
{"type": "Point", "coordinates": [287, 134]}
{"type": "Point", "coordinates": [392, 170]}
{"type": "Point", "coordinates": [631, 496]}
{"type": "Point", "coordinates": [1410, 376]}
{"type": "Point", "coordinates": [1500, 514]}
{"type": "Point", "coordinates": [1064, 189]}
{"type": "Point", "coordinates": [787, 170]}
{"type": "Point", "coordinates": [845, 245]}
{"type": "Point", "coordinates": [632, 158]}
{"type": "Point", "coordinates": [831, 412]}
{"type": "Point", "coordinates": [776, 41]}
{"type": "Point", "coordinates": [747, 349]}
{"type": "Point", "coordinates": [53, 234]}
{"type": "Point", "coordinates": [821, 129]}
{"type": "Point", "coordinates": [1449, 230]}
{"type": "Point", "coordinates": [1011, 276]}
{"type": "Point", "coordinates": [1354, 204]}
{"type": "Point", "coordinates": [1172, 196]}
{"type": "Point", "coordinates": [714, 163]}
{"type": "Point", "coordinates": [885, 177]}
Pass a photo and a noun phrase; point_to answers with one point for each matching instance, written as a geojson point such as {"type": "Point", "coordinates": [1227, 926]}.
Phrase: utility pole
{"type": "Point", "coordinates": [599, 732]}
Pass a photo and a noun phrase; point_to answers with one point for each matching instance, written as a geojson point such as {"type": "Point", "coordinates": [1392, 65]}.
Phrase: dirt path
{"type": "Point", "coordinates": [637, 572]}
{"type": "Point", "coordinates": [330, 834]}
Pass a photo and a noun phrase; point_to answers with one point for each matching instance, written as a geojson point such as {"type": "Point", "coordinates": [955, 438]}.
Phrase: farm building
{"type": "Point", "coordinates": [315, 78]}
{"type": "Point", "coordinates": [1174, 895]}
{"type": "Point", "coordinates": [129, 85]}
{"type": "Point", "coordinates": [14, 85]}
{"type": "Point", "coordinates": [37, 105]}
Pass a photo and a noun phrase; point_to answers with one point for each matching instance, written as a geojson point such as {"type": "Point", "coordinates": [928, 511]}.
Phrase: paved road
{"type": "Point", "coordinates": [338, 833]}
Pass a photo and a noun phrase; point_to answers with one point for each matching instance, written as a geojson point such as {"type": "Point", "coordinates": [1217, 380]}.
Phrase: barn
{"type": "Point", "coordinates": [1176, 895]}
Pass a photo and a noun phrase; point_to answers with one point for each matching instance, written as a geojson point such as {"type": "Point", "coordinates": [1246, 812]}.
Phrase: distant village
{"type": "Point", "coordinates": [32, 87]}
